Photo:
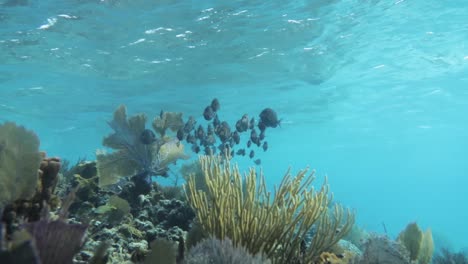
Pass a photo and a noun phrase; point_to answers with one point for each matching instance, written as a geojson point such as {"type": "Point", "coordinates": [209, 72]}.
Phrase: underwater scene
{"type": "Point", "coordinates": [191, 132]}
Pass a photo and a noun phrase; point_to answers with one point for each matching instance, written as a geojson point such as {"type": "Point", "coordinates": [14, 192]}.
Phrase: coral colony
{"type": "Point", "coordinates": [111, 210]}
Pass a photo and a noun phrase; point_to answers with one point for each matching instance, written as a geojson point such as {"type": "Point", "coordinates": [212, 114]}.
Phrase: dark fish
{"type": "Point", "coordinates": [249, 143]}
{"type": "Point", "coordinates": [209, 151]}
{"type": "Point", "coordinates": [215, 105]}
{"type": "Point", "coordinates": [180, 134]}
{"type": "Point", "coordinates": [254, 136]}
{"type": "Point", "coordinates": [258, 161]}
{"type": "Point", "coordinates": [147, 137]}
{"type": "Point", "coordinates": [190, 125]}
{"type": "Point", "coordinates": [209, 130]}
{"type": "Point", "coordinates": [242, 124]}
{"type": "Point", "coordinates": [200, 133]}
{"type": "Point", "coordinates": [209, 140]}
{"type": "Point", "coordinates": [252, 123]}
{"type": "Point", "coordinates": [269, 118]}
{"type": "Point", "coordinates": [195, 148]}
{"type": "Point", "coordinates": [216, 121]}
{"type": "Point", "coordinates": [208, 114]}
{"type": "Point", "coordinates": [262, 135]}
{"type": "Point", "coordinates": [161, 114]}
{"type": "Point", "coordinates": [258, 143]}
{"type": "Point", "coordinates": [265, 146]}
{"type": "Point", "coordinates": [223, 131]}
{"type": "Point", "coordinates": [251, 154]}
{"type": "Point", "coordinates": [245, 118]}
{"type": "Point", "coordinates": [261, 126]}
{"type": "Point", "coordinates": [241, 152]}
{"type": "Point", "coordinates": [240, 127]}
{"type": "Point", "coordinates": [222, 147]}
{"type": "Point", "coordinates": [191, 139]}
{"type": "Point", "coordinates": [236, 137]}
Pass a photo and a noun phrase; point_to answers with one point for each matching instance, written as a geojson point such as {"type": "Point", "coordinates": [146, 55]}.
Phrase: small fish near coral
{"type": "Point", "coordinates": [222, 137]}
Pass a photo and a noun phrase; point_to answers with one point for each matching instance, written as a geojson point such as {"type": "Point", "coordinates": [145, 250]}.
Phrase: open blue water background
{"type": "Point", "coordinates": [372, 93]}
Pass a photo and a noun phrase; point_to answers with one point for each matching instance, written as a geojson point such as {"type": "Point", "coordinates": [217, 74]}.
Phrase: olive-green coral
{"type": "Point", "coordinates": [241, 209]}
{"type": "Point", "coordinates": [130, 154]}
{"type": "Point", "coordinates": [168, 120]}
{"type": "Point", "coordinates": [19, 162]}
{"type": "Point", "coordinates": [418, 243]}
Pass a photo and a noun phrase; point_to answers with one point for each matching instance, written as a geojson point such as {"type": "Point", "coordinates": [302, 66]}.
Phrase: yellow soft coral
{"type": "Point", "coordinates": [241, 209]}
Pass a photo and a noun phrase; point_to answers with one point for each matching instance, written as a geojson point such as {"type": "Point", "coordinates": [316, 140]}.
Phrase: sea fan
{"type": "Point", "coordinates": [19, 161]}
{"type": "Point", "coordinates": [137, 150]}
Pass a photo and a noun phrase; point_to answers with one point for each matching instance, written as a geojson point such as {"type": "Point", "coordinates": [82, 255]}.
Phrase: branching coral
{"type": "Point", "coordinates": [19, 162]}
{"type": "Point", "coordinates": [245, 212]}
{"type": "Point", "coordinates": [137, 150]}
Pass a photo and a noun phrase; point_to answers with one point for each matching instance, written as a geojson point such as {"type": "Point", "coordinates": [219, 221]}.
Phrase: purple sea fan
{"type": "Point", "coordinates": [56, 241]}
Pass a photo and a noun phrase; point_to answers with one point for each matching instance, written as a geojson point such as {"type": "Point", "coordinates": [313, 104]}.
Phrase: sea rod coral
{"type": "Point", "coordinates": [242, 210]}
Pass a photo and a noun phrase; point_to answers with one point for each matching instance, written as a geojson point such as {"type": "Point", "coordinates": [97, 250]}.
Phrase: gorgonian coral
{"type": "Point", "coordinates": [19, 162]}
{"type": "Point", "coordinates": [137, 150]}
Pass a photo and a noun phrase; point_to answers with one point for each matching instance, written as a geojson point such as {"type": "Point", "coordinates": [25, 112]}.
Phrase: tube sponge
{"type": "Point", "coordinates": [19, 162]}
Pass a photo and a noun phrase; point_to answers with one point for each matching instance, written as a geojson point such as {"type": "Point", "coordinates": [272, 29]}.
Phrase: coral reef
{"type": "Point", "coordinates": [382, 250]}
{"type": "Point", "coordinates": [445, 256]}
{"type": "Point", "coordinates": [115, 213]}
{"type": "Point", "coordinates": [245, 212]}
{"type": "Point", "coordinates": [150, 217]}
{"type": "Point", "coordinates": [130, 238]}
{"type": "Point", "coordinates": [114, 210]}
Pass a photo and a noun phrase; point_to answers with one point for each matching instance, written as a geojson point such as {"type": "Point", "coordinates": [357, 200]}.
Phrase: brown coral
{"type": "Point", "coordinates": [48, 179]}
{"type": "Point", "coordinates": [332, 258]}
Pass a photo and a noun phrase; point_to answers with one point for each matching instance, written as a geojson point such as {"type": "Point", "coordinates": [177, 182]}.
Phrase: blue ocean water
{"type": "Point", "coordinates": [372, 93]}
